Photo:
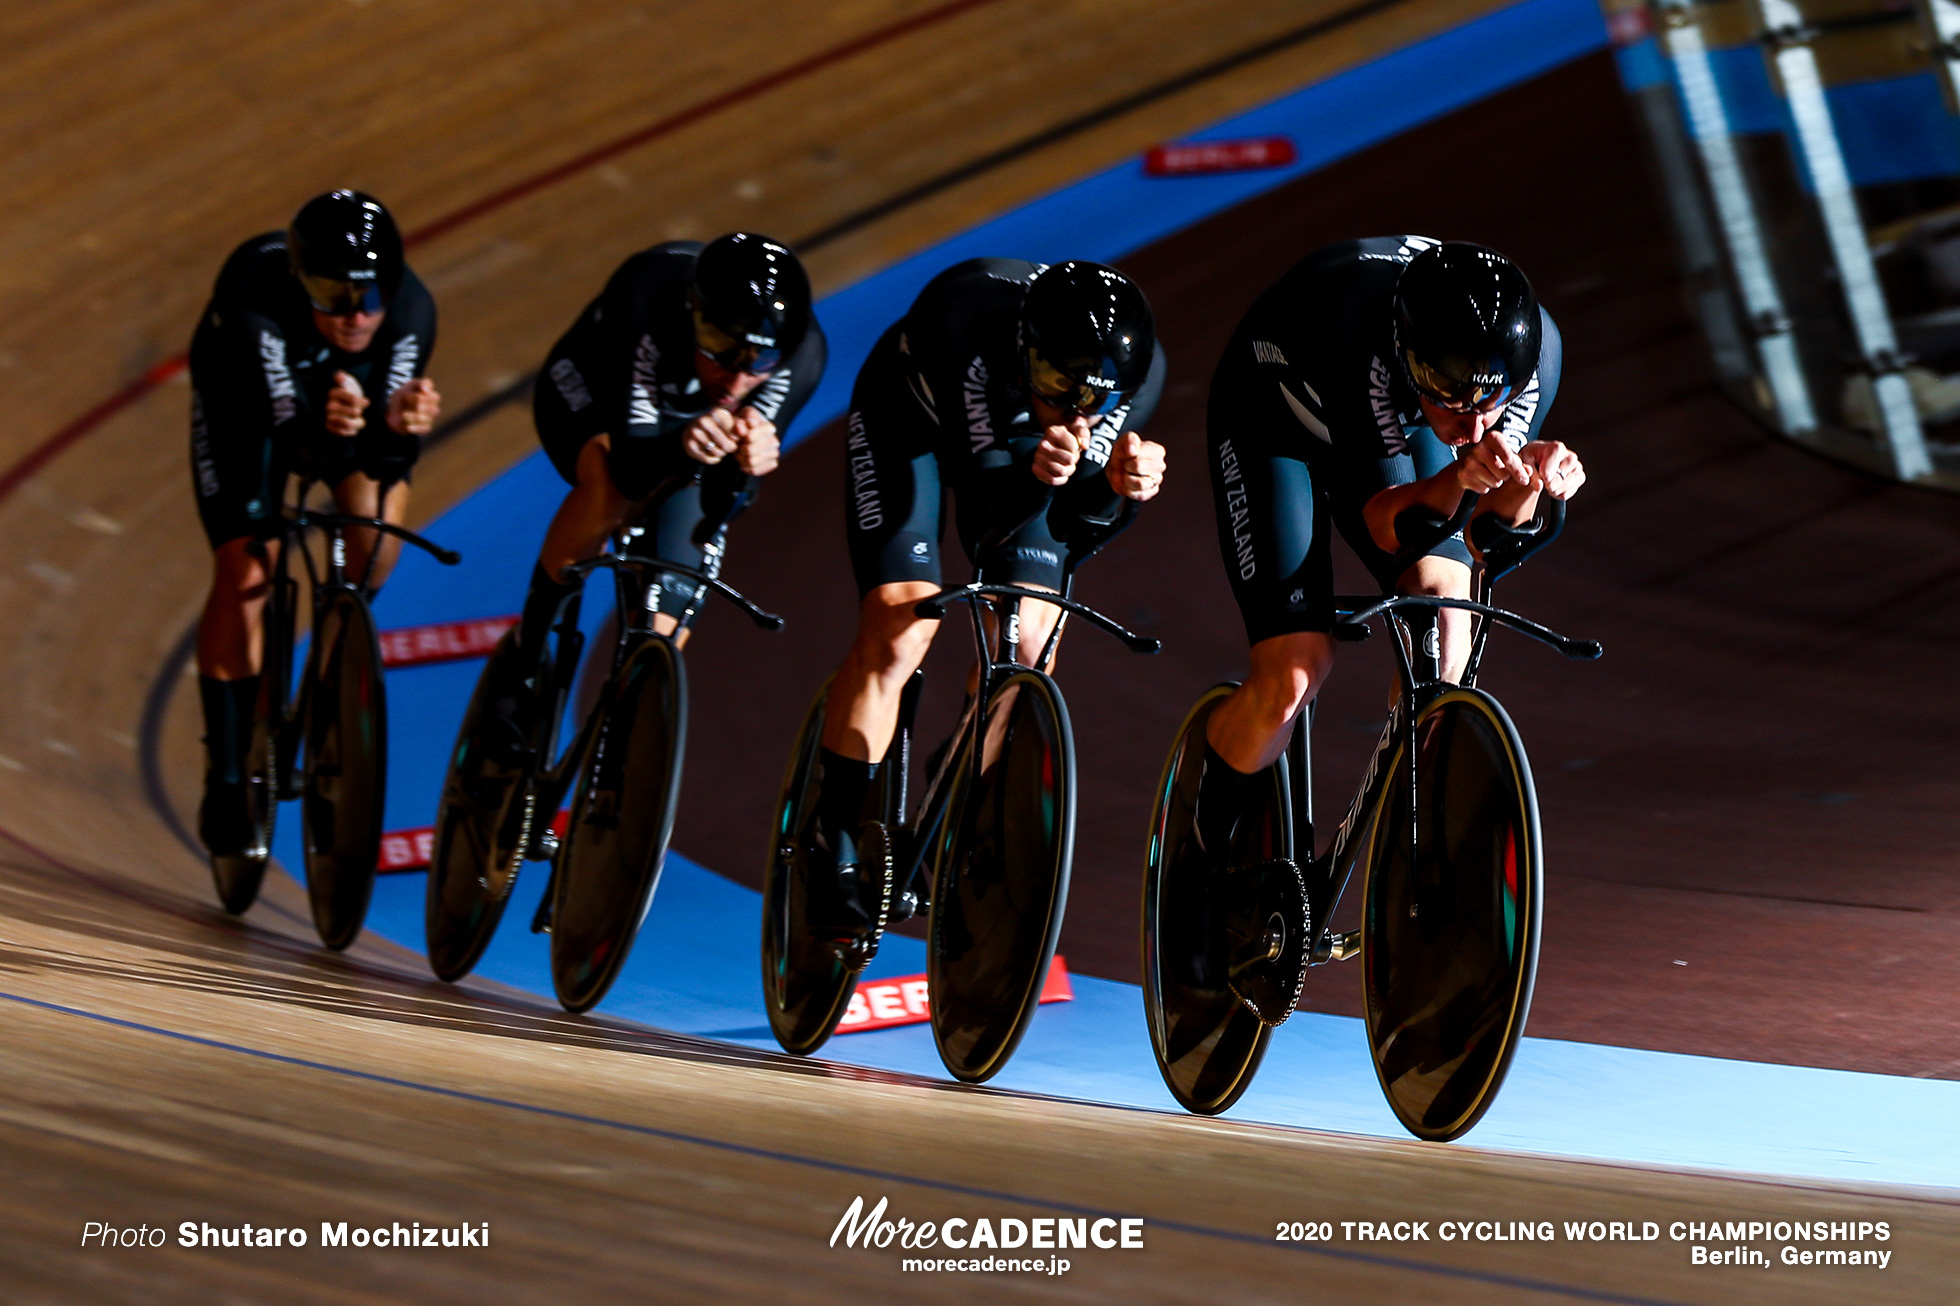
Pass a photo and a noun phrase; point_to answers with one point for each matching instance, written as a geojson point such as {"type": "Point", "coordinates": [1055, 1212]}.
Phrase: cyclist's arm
{"type": "Point", "coordinates": [785, 391]}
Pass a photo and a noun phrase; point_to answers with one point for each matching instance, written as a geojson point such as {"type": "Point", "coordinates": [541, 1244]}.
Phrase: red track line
{"type": "Point", "coordinates": [666, 126]}
{"type": "Point", "coordinates": [42, 454]}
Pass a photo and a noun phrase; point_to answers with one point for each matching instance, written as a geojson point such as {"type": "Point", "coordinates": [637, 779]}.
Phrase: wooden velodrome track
{"type": "Point", "coordinates": [161, 1063]}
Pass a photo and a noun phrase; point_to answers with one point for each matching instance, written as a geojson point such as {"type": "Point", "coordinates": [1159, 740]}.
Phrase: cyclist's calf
{"type": "Point", "coordinates": [228, 635]}
{"type": "Point", "coordinates": [1249, 729]}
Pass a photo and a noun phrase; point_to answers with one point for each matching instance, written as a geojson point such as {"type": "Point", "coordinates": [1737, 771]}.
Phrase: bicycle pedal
{"type": "Point", "coordinates": [1337, 947]}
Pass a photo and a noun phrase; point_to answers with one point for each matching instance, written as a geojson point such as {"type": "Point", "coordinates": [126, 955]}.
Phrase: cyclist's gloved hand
{"type": "Point", "coordinates": [759, 450]}
{"type": "Point", "coordinates": [414, 407]}
{"type": "Point", "coordinates": [711, 437]}
{"type": "Point", "coordinates": [1488, 463]}
{"type": "Point", "coordinates": [1136, 467]}
{"type": "Point", "coordinates": [346, 406]}
{"type": "Point", "coordinates": [1555, 469]}
{"type": "Point", "coordinates": [1060, 450]}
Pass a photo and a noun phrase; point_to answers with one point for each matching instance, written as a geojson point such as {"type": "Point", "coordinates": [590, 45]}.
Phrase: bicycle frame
{"type": "Point", "coordinates": [997, 657]}
{"type": "Point", "coordinates": [638, 585]}
{"type": "Point", "coordinates": [1412, 625]}
{"type": "Point", "coordinates": [323, 579]}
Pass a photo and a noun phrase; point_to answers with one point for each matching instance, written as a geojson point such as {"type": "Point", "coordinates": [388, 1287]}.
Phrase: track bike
{"type": "Point", "coordinates": [1445, 826]}
{"type": "Point", "coordinates": [986, 853]}
{"type": "Point", "coordinates": [498, 805]}
{"type": "Point", "coordinates": [327, 744]}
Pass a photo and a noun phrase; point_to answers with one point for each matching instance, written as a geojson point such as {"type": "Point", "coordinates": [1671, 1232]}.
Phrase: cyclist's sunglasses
{"type": "Point", "coordinates": [1453, 395]}
{"type": "Point", "coordinates": [1054, 386]}
{"type": "Point", "coordinates": [337, 298]}
{"type": "Point", "coordinates": [731, 354]}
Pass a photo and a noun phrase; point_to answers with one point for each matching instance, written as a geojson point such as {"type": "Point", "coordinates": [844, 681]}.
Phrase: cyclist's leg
{"type": "Point", "coordinates": [590, 513]}
{"type": "Point", "coordinates": [1444, 571]}
{"type": "Point", "coordinates": [893, 517]}
{"type": "Point", "coordinates": [1273, 531]}
{"type": "Point", "coordinates": [359, 495]}
{"type": "Point", "coordinates": [233, 472]}
{"type": "Point", "coordinates": [672, 533]}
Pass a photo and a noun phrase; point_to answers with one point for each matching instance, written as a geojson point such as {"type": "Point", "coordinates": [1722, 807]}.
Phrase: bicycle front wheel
{"type": "Point", "coordinates": [1451, 915]}
{"type": "Point", "coordinates": [346, 766]}
{"type": "Point", "coordinates": [1000, 876]}
{"type": "Point", "coordinates": [609, 863]}
{"type": "Point", "coordinates": [1208, 1045]}
{"type": "Point", "coordinates": [483, 826]}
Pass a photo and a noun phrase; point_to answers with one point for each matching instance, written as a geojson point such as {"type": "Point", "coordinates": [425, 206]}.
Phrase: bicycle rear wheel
{"type": "Point", "coordinates": [1208, 1045]}
{"type": "Point", "coordinates": [1000, 876]}
{"type": "Point", "coordinates": [806, 982]}
{"type": "Point", "coordinates": [1451, 915]}
{"type": "Point", "coordinates": [238, 876]}
{"type": "Point", "coordinates": [346, 767]}
{"type": "Point", "coordinates": [609, 861]}
{"type": "Point", "coordinates": [483, 826]}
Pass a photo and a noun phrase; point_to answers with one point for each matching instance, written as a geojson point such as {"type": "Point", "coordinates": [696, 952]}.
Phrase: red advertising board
{"type": "Point", "coordinates": [905, 1000]}
{"type": "Point", "coordinates": [1204, 158]}
{"type": "Point", "coordinates": [447, 641]}
{"type": "Point", "coordinates": [409, 850]}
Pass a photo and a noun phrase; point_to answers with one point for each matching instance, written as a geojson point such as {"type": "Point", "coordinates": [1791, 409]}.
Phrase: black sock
{"type": "Point", "coordinates": [543, 605]}
{"type": "Point", "coordinates": [1222, 795]}
{"type": "Point", "coordinates": [840, 804]}
{"type": "Point", "coordinates": [229, 706]}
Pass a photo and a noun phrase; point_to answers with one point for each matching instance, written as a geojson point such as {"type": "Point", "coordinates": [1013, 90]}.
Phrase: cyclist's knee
{"type": "Point", "coordinates": [1442, 577]}
{"type": "Point", "coordinates": [240, 570]}
{"type": "Point", "coordinates": [892, 638]}
{"type": "Point", "coordinates": [1288, 671]}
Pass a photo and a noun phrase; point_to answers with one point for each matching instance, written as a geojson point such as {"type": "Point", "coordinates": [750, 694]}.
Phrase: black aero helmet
{"type": "Point", "coordinates": [1086, 336]}
{"type": "Point", "coordinates": [1466, 327]}
{"type": "Point", "coordinates": [751, 302]}
{"type": "Point", "coordinates": [346, 252]}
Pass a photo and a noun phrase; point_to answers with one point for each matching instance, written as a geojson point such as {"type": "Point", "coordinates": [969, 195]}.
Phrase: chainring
{"type": "Point", "coordinates": [874, 876]}
{"type": "Point", "coordinates": [1268, 934]}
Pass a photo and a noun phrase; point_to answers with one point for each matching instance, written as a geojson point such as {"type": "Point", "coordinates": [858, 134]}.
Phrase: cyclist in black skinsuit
{"type": "Point", "coordinates": [692, 356]}
{"type": "Point", "coordinates": [309, 358]}
{"type": "Point", "coordinates": [1021, 390]}
{"type": "Point", "coordinates": [1375, 377]}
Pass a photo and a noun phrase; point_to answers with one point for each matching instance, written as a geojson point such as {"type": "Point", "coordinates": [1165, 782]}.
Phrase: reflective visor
{"type": "Point", "coordinates": [1477, 395]}
{"type": "Point", "coordinates": [730, 354]}
{"type": "Point", "coordinates": [338, 298]}
{"type": "Point", "coordinates": [1054, 386]}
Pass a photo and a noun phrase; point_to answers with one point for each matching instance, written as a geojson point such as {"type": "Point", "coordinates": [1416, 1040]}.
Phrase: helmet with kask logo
{"type": "Point", "coordinates": [1466, 327]}
{"type": "Point", "coordinates": [751, 302]}
{"type": "Point", "coordinates": [346, 252]}
{"type": "Point", "coordinates": [1087, 337]}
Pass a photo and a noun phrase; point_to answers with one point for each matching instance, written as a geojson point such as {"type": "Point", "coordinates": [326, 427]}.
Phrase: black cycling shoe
{"type": "Point", "coordinates": [848, 893]}
{"type": "Point", "coordinates": [224, 820]}
{"type": "Point", "coordinates": [506, 732]}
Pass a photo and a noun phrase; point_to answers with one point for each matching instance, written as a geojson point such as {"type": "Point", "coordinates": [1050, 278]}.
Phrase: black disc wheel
{"type": "Point", "coordinates": [238, 876]}
{"type": "Point", "coordinates": [1000, 876]}
{"type": "Point", "coordinates": [610, 858]}
{"type": "Point", "coordinates": [807, 980]}
{"type": "Point", "coordinates": [483, 825]}
{"type": "Point", "coordinates": [346, 767]}
{"type": "Point", "coordinates": [1207, 1042]}
{"type": "Point", "coordinates": [1450, 919]}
